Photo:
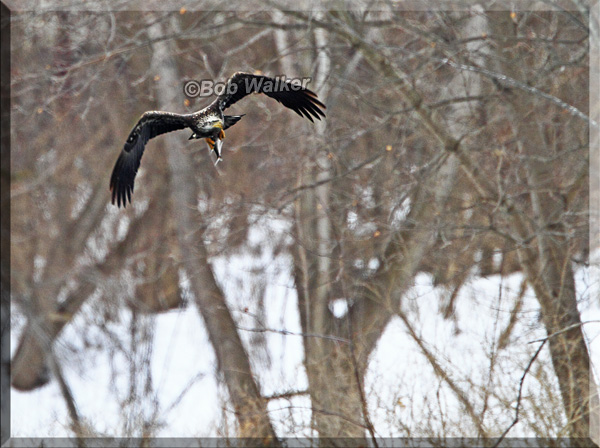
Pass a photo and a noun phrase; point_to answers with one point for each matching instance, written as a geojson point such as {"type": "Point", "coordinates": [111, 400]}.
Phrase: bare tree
{"type": "Point", "coordinates": [455, 148]}
{"type": "Point", "coordinates": [233, 363]}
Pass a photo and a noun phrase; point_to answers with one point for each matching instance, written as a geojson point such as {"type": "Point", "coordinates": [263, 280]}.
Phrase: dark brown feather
{"type": "Point", "coordinates": [149, 126]}
{"type": "Point", "coordinates": [302, 101]}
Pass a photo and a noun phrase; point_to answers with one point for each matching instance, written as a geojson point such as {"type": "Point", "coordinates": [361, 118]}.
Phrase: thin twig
{"type": "Point", "coordinates": [518, 407]}
{"type": "Point", "coordinates": [363, 401]}
{"type": "Point", "coordinates": [65, 391]}
{"type": "Point", "coordinates": [522, 86]}
{"type": "Point", "coordinates": [564, 330]}
{"type": "Point", "coordinates": [297, 190]}
{"type": "Point", "coordinates": [352, 36]}
{"type": "Point", "coordinates": [531, 361]}
{"type": "Point", "coordinates": [286, 395]}
{"type": "Point", "coordinates": [291, 333]}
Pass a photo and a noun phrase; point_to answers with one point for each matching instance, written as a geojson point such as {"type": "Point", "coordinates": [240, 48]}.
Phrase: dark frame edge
{"type": "Point", "coordinates": [5, 388]}
{"type": "Point", "coordinates": [5, 21]}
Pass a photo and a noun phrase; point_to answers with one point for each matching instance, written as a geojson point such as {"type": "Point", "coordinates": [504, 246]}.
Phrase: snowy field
{"type": "Point", "coordinates": [400, 384]}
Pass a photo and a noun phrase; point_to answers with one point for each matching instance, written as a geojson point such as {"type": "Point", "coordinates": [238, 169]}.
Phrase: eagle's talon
{"type": "Point", "coordinates": [222, 134]}
{"type": "Point", "coordinates": [211, 143]}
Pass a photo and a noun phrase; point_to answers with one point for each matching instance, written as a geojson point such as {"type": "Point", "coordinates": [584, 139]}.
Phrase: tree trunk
{"type": "Point", "coordinates": [548, 263]}
{"type": "Point", "coordinates": [249, 406]}
{"type": "Point", "coordinates": [330, 365]}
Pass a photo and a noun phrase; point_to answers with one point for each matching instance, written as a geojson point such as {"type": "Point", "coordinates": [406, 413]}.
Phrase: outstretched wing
{"type": "Point", "coordinates": [302, 101]}
{"type": "Point", "coordinates": [149, 126]}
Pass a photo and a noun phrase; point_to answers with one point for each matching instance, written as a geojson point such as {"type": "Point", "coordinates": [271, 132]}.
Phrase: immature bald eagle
{"type": "Point", "coordinates": [208, 123]}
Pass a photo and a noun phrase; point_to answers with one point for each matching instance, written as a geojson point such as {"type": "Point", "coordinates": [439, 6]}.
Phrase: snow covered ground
{"type": "Point", "coordinates": [402, 389]}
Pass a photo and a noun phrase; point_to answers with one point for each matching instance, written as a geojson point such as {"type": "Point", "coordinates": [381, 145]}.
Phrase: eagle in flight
{"type": "Point", "coordinates": [208, 123]}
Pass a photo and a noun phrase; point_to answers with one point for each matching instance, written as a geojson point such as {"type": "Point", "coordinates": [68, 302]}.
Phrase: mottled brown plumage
{"type": "Point", "coordinates": [208, 123]}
